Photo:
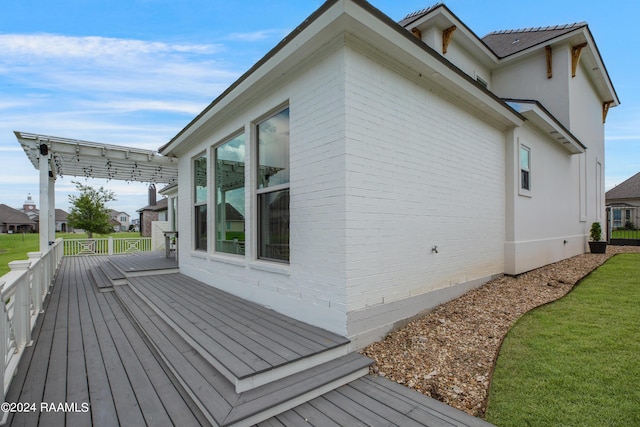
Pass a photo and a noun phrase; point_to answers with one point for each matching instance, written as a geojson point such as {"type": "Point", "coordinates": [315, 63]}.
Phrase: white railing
{"type": "Point", "coordinates": [106, 246]}
{"type": "Point", "coordinates": [23, 291]}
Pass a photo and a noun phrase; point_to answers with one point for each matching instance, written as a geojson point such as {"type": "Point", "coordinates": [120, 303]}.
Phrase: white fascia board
{"type": "Point", "coordinates": [543, 120]}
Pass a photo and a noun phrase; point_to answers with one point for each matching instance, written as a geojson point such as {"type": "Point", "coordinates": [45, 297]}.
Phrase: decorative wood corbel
{"type": "Point", "coordinates": [576, 51]}
{"type": "Point", "coordinates": [549, 61]}
{"type": "Point", "coordinates": [605, 110]}
{"type": "Point", "coordinates": [417, 33]}
{"type": "Point", "coordinates": [447, 34]}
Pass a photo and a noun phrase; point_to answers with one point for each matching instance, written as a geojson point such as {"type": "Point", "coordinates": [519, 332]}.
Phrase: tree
{"type": "Point", "coordinates": [89, 211]}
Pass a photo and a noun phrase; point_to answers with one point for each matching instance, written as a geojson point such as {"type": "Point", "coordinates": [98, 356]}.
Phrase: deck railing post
{"type": "Point", "coordinates": [4, 338]}
{"type": "Point", "coordinates": [110, 245]}
{"type": "Point", "coordinates": [39, 279]}
{"type": "Point", "coordinates": [21, 317]}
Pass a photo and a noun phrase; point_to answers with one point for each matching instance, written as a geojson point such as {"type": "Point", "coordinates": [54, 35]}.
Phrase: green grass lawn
{"type": "Point", "coordinates": [16, 246]}
{"type": "Point", "coordinates": [575, 362]}
{"type": "Point", "coordinates": [625, 234]}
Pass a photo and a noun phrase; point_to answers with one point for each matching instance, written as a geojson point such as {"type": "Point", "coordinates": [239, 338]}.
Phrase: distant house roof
{"type": "Point", "coordinates": [8, 215]}
{"type": "Point", "coordinates": [629, 189]}
{"type": "Point", "coordinates": [509, 42]}
{"type": "Point", "coordinates": [114, 212]}
{"type": "Point", "coordinates": [161, 205]}
{"type": "Point", "coordinates": [232, 214]}
{"type": "Point", "coordinates": [61, 215]}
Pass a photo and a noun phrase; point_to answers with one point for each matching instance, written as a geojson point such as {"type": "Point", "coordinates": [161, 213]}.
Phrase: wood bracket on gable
{"type": "Point", "coordinates": [447, 35]}
{"type": "Point", "coordinates": [417, 33]}
{"type": "Point", "coordinates": [549, 61]}
{"type": "Point", "coordinates": [605, 110]}
{"type": "Point", "coordinates": [576, 51]}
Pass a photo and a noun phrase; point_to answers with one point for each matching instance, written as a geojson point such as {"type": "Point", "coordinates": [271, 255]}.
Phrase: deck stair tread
{"type": "Point", "coordinates": [215, 395]}
{"type": "Point", "coordinates": [100, 279]}
{"type": "Point", "coordinates": [113, 272]}
{"type": "Point", "coordinates": [248, 343]}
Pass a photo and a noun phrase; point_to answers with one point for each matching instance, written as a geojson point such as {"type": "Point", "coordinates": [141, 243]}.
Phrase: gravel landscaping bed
{"type": "Point", "coordinates": [449, 353]}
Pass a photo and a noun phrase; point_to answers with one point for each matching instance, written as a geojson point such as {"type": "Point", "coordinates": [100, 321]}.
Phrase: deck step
{"type": "Point", "coordinates": [214, 394]}
{"type": "Point", "coordinates": [100, 279]}
{"type": "Point", "coordinates": [249, 344]}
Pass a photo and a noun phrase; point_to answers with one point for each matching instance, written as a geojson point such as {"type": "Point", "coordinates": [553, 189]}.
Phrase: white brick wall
{"type": "Point", "coordinates": [420, 173]}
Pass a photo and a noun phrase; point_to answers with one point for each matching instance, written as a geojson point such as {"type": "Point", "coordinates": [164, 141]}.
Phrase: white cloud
{"type": "Point", "coordinates": [256, 35]}
{"type": "Point", "coordinates": [59, 46]}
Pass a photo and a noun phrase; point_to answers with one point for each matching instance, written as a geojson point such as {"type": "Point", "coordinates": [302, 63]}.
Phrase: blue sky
{"type": "Point", "coordinates": [135, 72]}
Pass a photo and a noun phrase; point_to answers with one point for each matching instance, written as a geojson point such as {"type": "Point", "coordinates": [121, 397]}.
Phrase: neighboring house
{"type": "Point", "coordinates": [154, 211]}
{"type": "Point", "coordinates": [15, 221]}
{"type": "Point", "coordinates": [387, 168]}
{"type": "Point", "coordinates": [61, 221]}
{"type": "Point", "coordinates": [624, 202]}
{"type": "Point", "coordinates": [120, 220]}
{"type": "Point", "coordinates": [29, 207]}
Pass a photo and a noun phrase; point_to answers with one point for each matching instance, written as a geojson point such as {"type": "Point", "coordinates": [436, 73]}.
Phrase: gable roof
{"type": "Point", "coordinates": [8, 215]}
{"type": "Point", "coordinates": [629, 189]}
{"type": "Point", "coordinates": [61, 215]}
{"type": "Point", "coordinates": [498, 47]}
{"type": "Point", "coordinates": [509, 42]}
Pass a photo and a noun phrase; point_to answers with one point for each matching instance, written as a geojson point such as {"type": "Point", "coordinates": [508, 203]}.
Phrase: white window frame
{"type": "Point", "coordinates": [521, 190]}
{"type": "Point", "coordinates": [257, 192]}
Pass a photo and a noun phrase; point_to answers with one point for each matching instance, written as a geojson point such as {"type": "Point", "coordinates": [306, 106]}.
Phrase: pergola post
{"type": "Point", "coordinates": [52, 209]}
{"type": "Point", "coordinates": [47, 201]}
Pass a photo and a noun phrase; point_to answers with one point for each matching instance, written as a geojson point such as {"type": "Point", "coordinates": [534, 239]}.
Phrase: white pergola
{"type": "Point", "coordinates": [72, 157]}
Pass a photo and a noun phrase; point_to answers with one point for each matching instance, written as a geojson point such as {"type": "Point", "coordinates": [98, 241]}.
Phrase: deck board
{"type": "Point", "coordinates": [244, 337]}
{"type": "Point", "coordinates": [219, 318]}
{"type": "Point", "coordinates": [87, 348]}
{"type": "Point", "coordinates": [242, 320]}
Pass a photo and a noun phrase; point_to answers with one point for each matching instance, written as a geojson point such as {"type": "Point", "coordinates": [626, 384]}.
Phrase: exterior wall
{"type": "Point", "coordinates": [586, 124]}
{"type": "Point", "coordinates": [544, 224]}
{"type": "Point", "coordinates": [311, 287]}
{"type": "Point", "coordinates": [527, 79]}
{"type": "Point", "coordinates": [421, 173]}
{"type": "Point", "coordinates": [147, 218]}
{"type": "Point", "coordinates": [457, 55]}
{"type": "Point", "coordinates": [573, 186]}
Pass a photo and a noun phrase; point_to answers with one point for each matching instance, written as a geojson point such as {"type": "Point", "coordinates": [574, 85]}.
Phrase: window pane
{"type": "Point", "coordinates": [273, 150]}
{"type": "Point", "coordinates": [274, 225]}
{"type": "Point", "coordinates": [230, 196]}
{"type": "Point", "coordinates": [524, 179]}
{"type": "Point", "coordinates": [200, 179]}
{"type": "Point", "coordinates": [524, 158]}
{"type": "Point", "coordinates": [201, 227]}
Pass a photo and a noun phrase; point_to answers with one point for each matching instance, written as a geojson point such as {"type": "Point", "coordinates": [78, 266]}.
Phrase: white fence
{"type": "Point", "coordinates": [23, 290]}
{"type": "Point", "coordinates": [107, 246]}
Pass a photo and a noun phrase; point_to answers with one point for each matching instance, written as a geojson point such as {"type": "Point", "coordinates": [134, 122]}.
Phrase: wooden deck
{"type": "Point", "coordinates": [116, 361]}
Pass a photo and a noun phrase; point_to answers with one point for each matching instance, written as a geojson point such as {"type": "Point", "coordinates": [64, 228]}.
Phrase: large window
{"type": "Point", "coordinates": [229, 182]}
{"type": "Point", "coordinates": [273, 187]}
{"type": "Point", "coordinates": [200, 202]}
{"type": "Point", "coordinates": [525, 168]}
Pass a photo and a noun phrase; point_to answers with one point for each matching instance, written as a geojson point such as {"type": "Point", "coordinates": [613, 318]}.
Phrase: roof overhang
{"type": "Point", "coordinates": [539, 116]}
{"type": "Point", "coordinates": [72, 157]}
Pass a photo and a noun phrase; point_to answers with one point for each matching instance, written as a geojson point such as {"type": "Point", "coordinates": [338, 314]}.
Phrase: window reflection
{"type": "Point", "coordinates": [229, 183]}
